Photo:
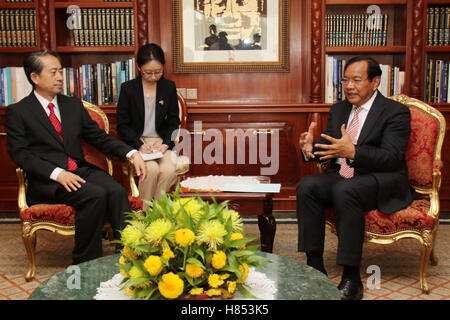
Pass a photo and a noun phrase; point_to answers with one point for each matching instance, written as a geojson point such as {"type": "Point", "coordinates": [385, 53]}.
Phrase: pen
{"type": "Point", "coordinates": [143, 141]}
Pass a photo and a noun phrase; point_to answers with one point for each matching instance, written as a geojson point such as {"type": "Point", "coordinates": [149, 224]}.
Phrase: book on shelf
{"type": "Point", "coordinates": [356, 30]}
{"type": "Point", "coordinates": [437, 81]}
{"type": "Point", "coordinates": [438, 26]}
{"type": "Point", "coordinates": [98, 83]}
{"type": "Point", "coordinates": [104, 27]}
{"type": "Point", "coordinates": [14, 85]}
{"type": "Point", "coordinates": [17, 28]}
{"type": "Point", "coordinates": [392, 79]}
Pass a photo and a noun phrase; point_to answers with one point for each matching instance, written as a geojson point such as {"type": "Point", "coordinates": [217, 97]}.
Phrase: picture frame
{"type": "Point", "coordinates": [212, 36]}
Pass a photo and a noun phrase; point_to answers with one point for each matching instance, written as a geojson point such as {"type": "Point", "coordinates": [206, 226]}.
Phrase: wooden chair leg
{"type": "Point", "coordinates": [424, 260]}
{"type": "Point", "coordinates": [434, 259]}
{"type": "Point", "coordinates": [29, 240]}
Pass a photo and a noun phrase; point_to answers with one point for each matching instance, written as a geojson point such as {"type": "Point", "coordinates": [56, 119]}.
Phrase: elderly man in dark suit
{"type": "Point", "coordinates": [44, 134]}
{"type": "Point", "coordinates": [366, 139]}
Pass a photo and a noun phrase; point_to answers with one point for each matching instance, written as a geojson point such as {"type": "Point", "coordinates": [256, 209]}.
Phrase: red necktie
{"type": "Point", "coordinates": [71, 165]}
{"type": "Point", "coordinates": [346, 171]}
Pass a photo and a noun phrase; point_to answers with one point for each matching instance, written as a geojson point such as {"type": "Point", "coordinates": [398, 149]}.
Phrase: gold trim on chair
{"type": "Point", "coordinates": [426, 237]}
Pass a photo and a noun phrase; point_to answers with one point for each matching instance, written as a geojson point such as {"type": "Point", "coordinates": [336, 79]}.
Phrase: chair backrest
{"type": "Point", "coordinates": [91, 154]}
{"type": "Point", "coordinates": [182, 113]}
{"type": "Point", "coordinates": [423, 155]}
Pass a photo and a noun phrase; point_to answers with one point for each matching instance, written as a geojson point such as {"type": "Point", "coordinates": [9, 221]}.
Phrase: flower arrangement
{"type": "Point", "coordinates": [185, 248]}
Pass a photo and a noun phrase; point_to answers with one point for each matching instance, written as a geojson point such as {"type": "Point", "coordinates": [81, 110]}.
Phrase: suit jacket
{"type": "Point", "coordinates": [35, 146]}
{"type": "Point", "coordinates": [131, 110]}
{"type": "Point", "coordinates": [380, 149]}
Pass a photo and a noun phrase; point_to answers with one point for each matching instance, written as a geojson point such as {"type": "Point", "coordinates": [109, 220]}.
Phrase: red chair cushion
{"type": "Point", "coordinates": [56, 213]}
{"type": "Point", "coordinates": [135, 203]}
{"type": "Point", "coordinates": [60, 213]}
{"type": "Point", "coordinates": [413, 217]}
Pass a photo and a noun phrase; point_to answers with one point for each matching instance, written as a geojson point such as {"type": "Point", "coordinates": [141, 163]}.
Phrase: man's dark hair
{"type": "Point", "coordinates": [149, 52]}
{"type": "Point", "coordinates": [32, 62]}
{"type": "Point", "coordinates": [373, 67]}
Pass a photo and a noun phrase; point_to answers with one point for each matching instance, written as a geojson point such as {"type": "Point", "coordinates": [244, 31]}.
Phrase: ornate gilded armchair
{"type": "Point", "coordinates": [421, 219]}
{"type": "Point", "coordinates": [60, 218]}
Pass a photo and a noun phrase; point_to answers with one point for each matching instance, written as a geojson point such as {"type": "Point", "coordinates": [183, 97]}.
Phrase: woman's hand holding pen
{"type": "Point", "coordinates": [145, 148]}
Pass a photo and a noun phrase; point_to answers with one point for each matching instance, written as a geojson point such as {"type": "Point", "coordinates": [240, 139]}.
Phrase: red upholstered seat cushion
{"type": "Point", "coordinates": [60, 213]}
{"type": "Point", "coordinates": [135, 203]}
{"type": "Point", "coordinates": [57, 213]}
{"type": "Point", "coordinates": [413, 217]}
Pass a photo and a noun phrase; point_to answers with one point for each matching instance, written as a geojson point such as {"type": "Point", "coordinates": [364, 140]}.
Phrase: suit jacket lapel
{"type": "Point", "coordinates": [375, 111]}
{"type": "Point", "coordinates": [41, 115]}
{"type": "Point", "coordinates": [343, 117]}
{"type": "Point", "coordinates": [140, 98]}
{"type": "Point", "coordinates": [64, 112]}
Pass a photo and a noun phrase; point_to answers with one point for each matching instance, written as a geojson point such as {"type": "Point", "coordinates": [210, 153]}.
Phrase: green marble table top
{"type": "Point", "coordinates": [294, 280]}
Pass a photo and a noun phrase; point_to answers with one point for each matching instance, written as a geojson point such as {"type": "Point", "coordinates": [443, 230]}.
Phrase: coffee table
{"type": "Point", "coordinates": [248, 203]}
{"type": "Point", "coordinates": [293, 279]}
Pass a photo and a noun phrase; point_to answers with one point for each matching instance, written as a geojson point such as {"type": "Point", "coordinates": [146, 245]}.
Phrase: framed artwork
{"type": "Point", "coordinates": [213, 36]}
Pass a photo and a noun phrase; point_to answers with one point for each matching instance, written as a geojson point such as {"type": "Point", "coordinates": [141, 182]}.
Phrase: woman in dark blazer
{"type": "Point", "coordinates": [147, 115]}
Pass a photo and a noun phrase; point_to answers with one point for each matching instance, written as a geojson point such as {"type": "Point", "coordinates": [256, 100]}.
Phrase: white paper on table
{"type": "Point", "coordinates": [151, 156]}
{"type": "Point", "coordinates": [252, 187]}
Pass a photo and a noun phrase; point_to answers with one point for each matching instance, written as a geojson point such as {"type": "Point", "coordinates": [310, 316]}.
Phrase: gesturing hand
{"type": "Point", "coordinates": [70, 181]}
{"type": "Point", "coordinates": [339, 148]}
{"type": "Point", "coordinates": [306, 140]}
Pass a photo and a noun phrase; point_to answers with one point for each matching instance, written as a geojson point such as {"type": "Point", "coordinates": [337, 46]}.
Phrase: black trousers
{"type": "Point", "coordinates": [100, 195]}
{"type": "Point", "coordinates": [350, 198]}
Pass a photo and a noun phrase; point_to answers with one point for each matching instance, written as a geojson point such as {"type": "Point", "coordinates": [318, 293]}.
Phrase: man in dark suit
{"type": "Point", "coordinates": [44, 134]}
{"type": "Point", "coordinates": [365, 139]}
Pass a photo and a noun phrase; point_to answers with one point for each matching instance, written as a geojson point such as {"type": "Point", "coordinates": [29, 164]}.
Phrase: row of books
{"type": "Point", "coordinates": [98, 83]}
{"type": "Point", "coordinates": [20, 1]}
{"type": "Point", "coordinates": [392, 79]}
{"type": "Point", "coordinates": [104, 27]}
{"type": "Point", "coordinates": [438, 26]}
{"type": "Point", "coordinates": [17, 28]}
{"type": "Point", "coordinates": [437, 81]}
{"type": "Point", "coordinates": [356, 30]}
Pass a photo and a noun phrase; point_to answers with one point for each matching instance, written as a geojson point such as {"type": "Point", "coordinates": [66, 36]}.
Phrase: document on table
{"type": "Point", "coordinates": [252, 187]}
{"type": "Point", "coordinates": [151, 156]}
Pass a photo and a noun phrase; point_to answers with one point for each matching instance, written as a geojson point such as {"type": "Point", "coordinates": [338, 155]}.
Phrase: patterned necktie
{"type": "Point", "coordinates": [346, 171]}
{"type": "Point", "coordinates": [71, 164]}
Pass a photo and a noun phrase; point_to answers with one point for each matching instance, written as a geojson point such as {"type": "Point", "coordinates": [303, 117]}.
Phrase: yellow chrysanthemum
{"type": "Point", "coordinates": [213, 292]}
{"type": "Point", "coordinates": [237, 224]}
{"type": "Point", "coordinates": [129, 253]}
{"type": "Point", "coordinates": [122, 260]}
{"type": "Point", "coordinates": [237, 236]}
{"type": "Point", "coordinates": [214, 280]}
{"type": "Point", "coordinates": [224, 276]}
{"type": "Point", "coordinates": [158, 230]}
{"type": "Point", "coordinates": [124, 273]}
{"type": "Point", "coordinates": [154, 265]}
{"type": "Point", "coordinates": [135, 273]}
{"type": "Point", "coordinates": [131, 236]}
{"type": "Point", "coordinates": [196, 291]}
{"type": "Point", "coordinates": [193, 270]}
{"type": "Point", "coordinates": [167, 253]}
{"type": "Point", "coordinates": [129, 291]}
{"type": "Point", "coordinates": [171, 286]}
{"type": "Point", "coordinates": [231, 286]}
{"type": "Point", "coordinates": [244, 269]}
{"type": "Point", "coordinates": [219, 260]}
{"type": "Point", "coordinates": [184, 237]}
{"type": "Point", "coordinates": [212, 233]}
{"type": "Point", "coordinates": [192, 207]}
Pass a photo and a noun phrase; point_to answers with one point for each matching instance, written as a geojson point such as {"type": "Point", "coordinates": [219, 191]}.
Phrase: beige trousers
{"type": "Point", "coordinates": [160, 173]}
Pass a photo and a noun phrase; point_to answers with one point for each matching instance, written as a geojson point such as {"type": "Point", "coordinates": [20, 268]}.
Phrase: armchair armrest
{"type": "Point", "coordinates": [21, 198]}
{"type": "Point", "coordinates": [128, 169]}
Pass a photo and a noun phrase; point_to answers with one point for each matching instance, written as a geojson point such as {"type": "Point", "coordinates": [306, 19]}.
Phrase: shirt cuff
{"type": "Point", "coordinates": [130, 153]}
{"type": "Point", "coordinates": [55, 173]}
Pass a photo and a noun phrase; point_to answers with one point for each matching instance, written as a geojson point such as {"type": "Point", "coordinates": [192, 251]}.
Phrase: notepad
{"type": "Point", "coordinates": [252, 187]}
{"type": "Point", "coordinates": [151, 156]}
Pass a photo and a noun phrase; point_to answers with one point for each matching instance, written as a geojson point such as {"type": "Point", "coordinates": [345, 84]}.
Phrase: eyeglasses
{"type": "Point", "coordinates": [355, 81]}
{"type": "Point", "coordinates": [152, 73]}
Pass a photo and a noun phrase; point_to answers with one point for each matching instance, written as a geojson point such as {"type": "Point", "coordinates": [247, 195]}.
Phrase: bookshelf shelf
{"type": "Point", "coordinates": [89, 49]}
{"type": "Point", "coordinates": [356, 50]}
{"type": "Point", "coordinates": [443, 49]}
{"type": "Point", "coordinates": [93, 4]}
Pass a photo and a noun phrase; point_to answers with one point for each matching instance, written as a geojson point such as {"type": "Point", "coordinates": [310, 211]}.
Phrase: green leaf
{"type": "Point", "coordinates": [196, 262]}
{"type": "Point", "coordinates": [134, 282]}
{"type": "Point", "coordinates": [150, 293]}
{"type": "Point", "coordinates": [242, 253]}
{"type": "Point", "coordinates": [200, 253]}
{"type": "Point", "coordinates": [245, 292]}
